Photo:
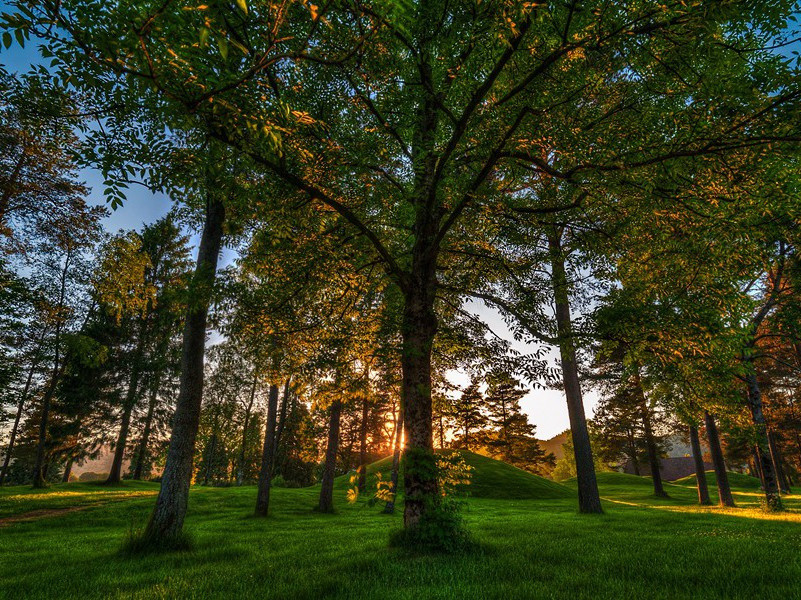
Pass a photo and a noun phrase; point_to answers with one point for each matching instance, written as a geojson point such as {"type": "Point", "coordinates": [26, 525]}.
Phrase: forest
{"type": "Point", "coordinates": [392, 226]}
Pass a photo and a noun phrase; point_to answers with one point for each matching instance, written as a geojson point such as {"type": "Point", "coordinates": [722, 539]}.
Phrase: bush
{"type": "Point", "coordinates": [92, 476]}
{"type": "Point", "coordinates": [440, 530]}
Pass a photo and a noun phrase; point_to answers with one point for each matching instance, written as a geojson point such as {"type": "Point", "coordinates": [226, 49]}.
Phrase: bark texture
{"type": "Point", "coordinates": [268, 455]}
{"type": "Point", "coordinates": [168, 515]}
{"type": "Point", "coordinates": [722, 479]}
{"type": "Point", "coordinates": [326, 503]}
{"type": "Point", "coordinates": [700, 472]}
{"type": "Point", "coordinates": [771, 485]}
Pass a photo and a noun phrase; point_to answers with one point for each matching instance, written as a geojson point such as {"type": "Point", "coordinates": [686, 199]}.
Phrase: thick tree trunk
{"type": "Point", "coordinates": [778, 466]}
{"type": "Point", "coordinates": [240, 471]}
{"type": "Point", "coordinates": [721, 477]}
{"type": "Point", "coordinates": [326, 503]}
{"type": "Point", "coordinates": [362, 482]}
{"type": "Point", "coordinates": [772, 497]}
{"type": "Point", "coordinates": [419, 328]}
{"type": "Point", "coordinates": [141, 453]}
{"type": "Point", "coordinates": [268, 455]}
{"type": "Point", "coordinates": [588, 496]}
{"type": "Point", "coordinates": [393, 487]}
{"type": "Point", "coordinates": [700, 472]}
{"type": "Point", "coordinates": [167, 520]}
{"type": "Point", "coordinates": [650, 441]}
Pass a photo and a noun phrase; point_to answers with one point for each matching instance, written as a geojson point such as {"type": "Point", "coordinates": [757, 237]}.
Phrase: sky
{"type": "Point", "coordinates": [545, 408]}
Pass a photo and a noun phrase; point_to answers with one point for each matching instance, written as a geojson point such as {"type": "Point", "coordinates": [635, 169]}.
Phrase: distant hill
{"type": "Point", "coordinates": [490, 479]}
{"type": "Point", "coordinates": [736, 481]}
{"type": "Point", "coordinates": [554, 444]}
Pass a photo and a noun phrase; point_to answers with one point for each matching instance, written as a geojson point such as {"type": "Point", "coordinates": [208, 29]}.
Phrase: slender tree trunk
{"type": "Point", "coordinates": [39, 478]}
{"type": "Point", "coordinates": [721, 477]}
{"type": "Point", "coordinates": [115, 473]}
{"type": "Point", "coordinates": [65, 478]}
{"type": "Point", "coordinates": [329, 468]}
{"type": "Point", "coordinates": [211, 451]}
{"type": "Point", "coordinates": [772, 497]}
{"type": "Point", "coordinates": [700, 472]}
{"type": "Point", "coordinates": [441, 432]}
{"type": "Point", "coordinates": [362, 483]}
{"type": "Point", "coordinates": [390, 507]}
{"type": "Point", "coordinates": [279, 430]}
{"type": "Point", "coordinates": [778, 467]}
{"type": "Point", "coordinates": [167, 520]}
{"type": "Point", "coordinates": [15, 428]}
{"type": "Point", "coordinates": [240, 472]}
{"type": "Point", "coordinates": [588, 496]}
{"type": "Point", "coordinates": [633, 454]}
{"type": "Point", "coordinates": [650, 442]}
{"type": "Point", "coordinates": [141, 453]}
{"type": "Point", "coordinates": [268, 455]}
{"type": "Point", "coordinates": [757, 466]}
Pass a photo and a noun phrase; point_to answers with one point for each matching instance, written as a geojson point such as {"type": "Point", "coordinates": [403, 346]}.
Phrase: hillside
{"type": "Point", "coordinates": [736, 481]}
{"type": "Point", "coordinates": [490, 479]}
{"type": "Point", "coordinates": [554, 445]}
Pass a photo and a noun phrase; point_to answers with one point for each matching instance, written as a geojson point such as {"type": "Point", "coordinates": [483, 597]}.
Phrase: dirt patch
{"type": "Point", "coordinates": [35, 515]}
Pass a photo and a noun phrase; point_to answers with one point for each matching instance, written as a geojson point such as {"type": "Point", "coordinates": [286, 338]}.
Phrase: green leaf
{"type": "Point", "coordinates": [7, 40]}
{"type": "Point", "coordinates": [222, 44]}
{"type": "Point", "coordinates": [204, 36]}
{"type": "Point", "coordinates": [20, 37]}
{"type": "Point", "coordinates": [243, 5]}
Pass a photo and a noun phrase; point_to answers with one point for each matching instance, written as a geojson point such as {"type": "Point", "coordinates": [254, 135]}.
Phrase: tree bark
{"type": "Point", "coordinates": [15, 428]}
{"type": "Point", "coordinates": [362, 482]}
{"type": "Point", "coordinates": [588, 496]}
{"type": "Point", "coordinates": [115, 473]}
{"type": "Point", "coordinates": [721, 477]}
{"type": "Point", "coordinates": [772, 497]}
{"type": "Point", "coordinates": [650, 442]}
{"type": "Point", "coordinates": [326, 503]}
{"type": "Point", "coordinates": [167, 520]}
{"type": "Point", "coordinates": [279, 430]}
{"type": "Point", "coordinates": [268, 455]}
{"type": "Point", "coordinates": [65, 478]}
{"type": "Point", "coordinates": [700, 472]}
{"type": "Point", "coordinates": [390, 506]}
{"type": "Point", "coordinates": [778, 466]}
{"type": "Point", "coordinates": [240, 472]}
{"type": "Point", "coordinates": [141, 453]}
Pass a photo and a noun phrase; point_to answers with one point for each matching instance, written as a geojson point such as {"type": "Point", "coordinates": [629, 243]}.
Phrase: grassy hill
{"type": "Point", "coordinates": [736, 481]}
{"type": "Point", "coordinates": [554, 444]}
{"type": "Point", "coordinates": [490, 479]}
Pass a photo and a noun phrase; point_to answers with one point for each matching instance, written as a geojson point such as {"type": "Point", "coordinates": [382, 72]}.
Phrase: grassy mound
{"type": "Point", "coordinates": [615, 479]}
{"type": "Point", "coordinates": [736, 481]}
{"type": "Point", "coordinates": [490, 479]}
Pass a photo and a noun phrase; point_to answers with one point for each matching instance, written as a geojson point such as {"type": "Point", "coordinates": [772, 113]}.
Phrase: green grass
{"type": "Point", "coordinates": [736, 480]}
{"type": "Point", "coordinates": [490, 478]}
{"type": "Point", "coordinates": [642, 547]}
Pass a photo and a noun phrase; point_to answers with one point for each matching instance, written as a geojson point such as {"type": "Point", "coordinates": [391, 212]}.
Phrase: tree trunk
{"type": "Point", "coordinates": [700, 472]}
{"type": "Point", "coordinates": [65, 478]}
{"type": "Point", "coordinates": [39, 470]}
{"type": "Point", "coordinates": [390, 507]}
{"type": "Point", "coordinates": [329, 468]}
{"type": "Point", "coordinates": [441, 432]}
{"type": "Point", "coordinates": [650, 442]}
{"type": "Point", "coordinates": [778, 467]}
{"type": "Point", "coordinates": [167, 520]}
{"type": "Point", "coordinates": [772, 497]}
{"type": "Point", "coordinates": [588, 496]}
{"type": "Point", "coordinates": [419, 327]}
{"type": "Point", "coordinates": [15, 428]}
{"type": "Point", "coordinates": [362, 483]}
{"type": "Point", "coordinates": [211, 451]}
{"type": "Point", "coordinates": [633, 453]}
{"type": "Point", "coordinates": [279, 430]}
{"type": "Point", "coordinates": [141, 453]}
{"type": "Point", "coordinates": [268, 455]}
{"type": "Point", "coordinates": [240, 472]}
{"type": "Point", "coordinates": [115, 473]}
{"type": "Point", "coordinates": [721, 477]}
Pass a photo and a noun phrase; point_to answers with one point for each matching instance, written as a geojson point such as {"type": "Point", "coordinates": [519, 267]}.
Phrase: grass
{"type": "Point", "coordinates": [642, 547]}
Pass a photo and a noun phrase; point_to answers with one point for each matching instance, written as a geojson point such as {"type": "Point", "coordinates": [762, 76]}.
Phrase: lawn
{"type": "Point", "coordinates": [642, 547]}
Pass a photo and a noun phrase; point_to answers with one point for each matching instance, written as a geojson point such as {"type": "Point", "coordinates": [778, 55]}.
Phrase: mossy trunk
{"type": "Point", "coordinates": [268, 455]}
{"type": "Point", "coordinates": [167, 520]}
{"type": "Point", "coordinates": [700, 472]}
{"type": "Point", "coordinates": [326, 503]}
{"type": "Point", "coordinates": [721, 477]}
